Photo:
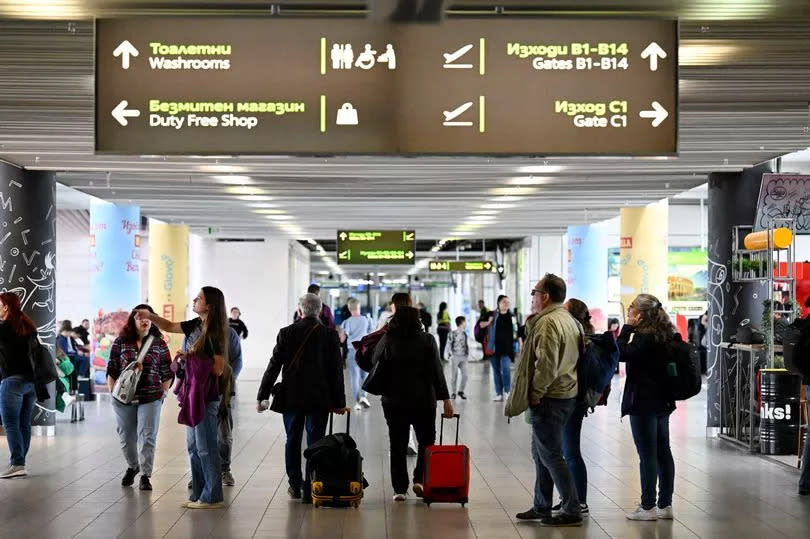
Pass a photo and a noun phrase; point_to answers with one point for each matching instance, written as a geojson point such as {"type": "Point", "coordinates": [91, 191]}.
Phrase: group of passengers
{"type": "Point", "coordinates": [545, 388]}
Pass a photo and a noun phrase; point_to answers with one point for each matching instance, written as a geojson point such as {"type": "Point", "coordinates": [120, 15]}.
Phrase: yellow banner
{"type": "Point", "coordinates": [168, 273]}
{"type": "Point", "coordinates": [644, 251]}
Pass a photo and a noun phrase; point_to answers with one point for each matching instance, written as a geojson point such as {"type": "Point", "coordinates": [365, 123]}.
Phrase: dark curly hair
{"type": "Point", "coordinates": [129, 332]}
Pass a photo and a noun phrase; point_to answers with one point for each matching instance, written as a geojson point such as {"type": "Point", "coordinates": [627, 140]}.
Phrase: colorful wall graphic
{"type": "Point", "coordinates": [168, 273]}
{"type": "Point", "coordinates": [688, 273]}
{"type": "Point", "coordinates": [643, 242]}
{"type": "Point", "coordinates": [587, 268]}
{"type": "Point", "coordinates": [115, 283]}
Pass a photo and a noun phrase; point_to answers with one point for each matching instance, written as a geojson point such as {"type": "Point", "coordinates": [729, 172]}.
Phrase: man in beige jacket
{"type": "Point", "coordinates": [546, 385]}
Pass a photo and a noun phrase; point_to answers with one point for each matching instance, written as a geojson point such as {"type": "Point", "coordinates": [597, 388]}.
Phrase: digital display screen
{"type": "Point", "coordinates": [376, 247]}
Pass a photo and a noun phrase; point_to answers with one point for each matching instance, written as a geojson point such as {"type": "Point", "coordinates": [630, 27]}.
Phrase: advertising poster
{"type": "Point", "coordinates": [643, 243]}
{"type": "Point", "coordinates": [168, 273]}
{"type": "Point", "coordinates": [115, 277]}
{"type": "Point", "coordinates": [587, 267]}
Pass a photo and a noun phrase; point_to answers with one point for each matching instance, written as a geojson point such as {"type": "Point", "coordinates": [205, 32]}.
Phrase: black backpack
{"type": "Point", "coordinates": [796, 343]}
{"type": "Point", "coordinates": [682, 369]}
{"type": "Point", "coordinates": [42, 362]}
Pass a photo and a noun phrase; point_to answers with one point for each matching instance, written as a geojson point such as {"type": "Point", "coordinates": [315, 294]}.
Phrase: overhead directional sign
{"type": "Point", "coordinates": [338, 86]}
{"type": "Point", "coordinates": [462, 266]}
{"type": "Point", "coordinates": [376, 246]}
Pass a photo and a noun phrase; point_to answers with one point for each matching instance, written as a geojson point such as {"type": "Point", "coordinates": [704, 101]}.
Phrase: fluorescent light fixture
{"type": "Point", "coordinates": [486, 212]}
{"type": "Point", "coordinates": [234, 179]}
{"type": "Point", "coordinates": [254, 198]}
{"type": "Point", "coordinates": [482, 218]}
{"type": "Point", "coordinates": [269, 212]}
{"type": "Point", "coordinates": [311, 241]}
{"type": "Point", "coordinates": [463, 233]}
{"type": "Point", "coordinates": [498, 206]}
{"type": "Point", "coordinates": [279, 217]}
{"type": "Point", "coordinates": [244, 190]}
{"type": "Point", "coordinates": [529, 180]}
{"type": "Point", "coordinates": [513, 191]}
{"type": "Point", "coordinates": [262, 205]}
{"type": "Point", "coordinates": [323, 272]}
{"type": "Point", "coordinates": [508, 198]}
{"type": "Point", "coordinates": [222, 169]}
{"type": "Point", "coordinates": [540, 169]}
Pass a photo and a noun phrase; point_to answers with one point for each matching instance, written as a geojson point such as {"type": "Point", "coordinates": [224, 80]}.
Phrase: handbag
{"type": "Point", "coordinates": [43, 364]}
{"type": "Point", "coordinates": [279, 391]}
{"type": "Point", "coordinates": [124, 388]}
{"type": "Point", "coordinates": [379, 379]}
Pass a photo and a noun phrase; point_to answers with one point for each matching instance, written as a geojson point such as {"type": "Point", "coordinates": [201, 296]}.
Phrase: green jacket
{"type": "Point", "coordinates": [548, 363]}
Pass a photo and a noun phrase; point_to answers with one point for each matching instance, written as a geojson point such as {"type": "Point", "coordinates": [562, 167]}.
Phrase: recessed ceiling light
{"type": "Point", "coordinates": [498, 206]}
{"type": "Point", "coordinates": [486, 212]}
{"type": "Point", "coordinates": [234, 179]}
{"type": "Point", "coordinates": [540, 169]}
{"type": "Point", "coordinates": [279, 217]}
{"type": "Point", "coordinates": [222, 169]}
{"type": "Point", "coordinates": [254, 198]}
{"type": "Point", "coordinates": [513, 191]}
{"type": "Point", "coordinates": [529, 180]}
{"type": "Point", "coordinates": [269, 212]}
{"type": "Point", "coordinates": [244, 190]}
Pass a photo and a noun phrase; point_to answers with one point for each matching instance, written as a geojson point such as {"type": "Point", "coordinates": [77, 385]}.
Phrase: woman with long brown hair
{"type": "Point", "coordinates": [642, 346]}
{"type": "Point", "coordinates": [17, 392]}
{"type": "Point", "coordinates": [138, 421]}
{"type": "Point", "coordinates": [206, 371]}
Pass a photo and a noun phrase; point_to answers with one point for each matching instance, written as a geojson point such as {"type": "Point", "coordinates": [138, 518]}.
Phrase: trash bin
{"type": "Point", "coordinates": [779, 412]}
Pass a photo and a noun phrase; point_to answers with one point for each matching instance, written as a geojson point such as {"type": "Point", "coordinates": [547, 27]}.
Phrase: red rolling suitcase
{"type": "Point", "coordinates": [447, 471]}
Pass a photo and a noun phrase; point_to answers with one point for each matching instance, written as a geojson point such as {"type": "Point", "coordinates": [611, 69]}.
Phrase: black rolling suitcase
{"type": "Point", "coordinates": [335, 469]}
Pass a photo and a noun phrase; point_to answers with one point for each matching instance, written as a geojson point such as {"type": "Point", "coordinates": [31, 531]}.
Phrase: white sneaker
{"type": "Point", "coordinates": [14, 471]}
{"type": "Point", "coordinates": [358, 407]}
{"type": "Point", "coordinates": [364, 403]}
{"type": "Point", "coordinates": [497, 398]}
{"type": "Point", "coordinates": [665, 513]}
{"type": "Point", "coordinates": [643, 514]}
{"type": "Point", "coordinates": [400, 497]}
{"type": "Point", "coordinates": [506, 396]}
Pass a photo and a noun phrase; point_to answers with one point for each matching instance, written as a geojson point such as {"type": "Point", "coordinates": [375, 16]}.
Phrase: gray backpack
{"type": "Point", "coordinates": [127, 383]}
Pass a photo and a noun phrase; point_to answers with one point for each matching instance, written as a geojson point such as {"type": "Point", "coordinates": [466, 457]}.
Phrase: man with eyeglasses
{"type": "Point", "coordinates": [546, 384]}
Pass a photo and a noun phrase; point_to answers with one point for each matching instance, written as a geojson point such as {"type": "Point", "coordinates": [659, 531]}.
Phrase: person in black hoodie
{"type": "Point", "coordinates": [307, 354]}
{"type": "Point", "coordinates": [413, 362]}
{"type": "Point", "coordinates": [642, 346]}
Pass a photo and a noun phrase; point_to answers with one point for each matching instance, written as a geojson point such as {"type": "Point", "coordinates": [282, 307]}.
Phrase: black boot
{"type": "Point", "coordinates": [129, 477]}
{"type": "Point", "coordinates": [145, 484]}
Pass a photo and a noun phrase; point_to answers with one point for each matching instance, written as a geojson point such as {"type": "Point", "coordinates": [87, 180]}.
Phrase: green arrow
{"type": "Point", "coordinates": [409, 255]}
{"type": "Point", "coordinates": [346, 255]}
{"type": "Point", "coordinates": [408, 236]}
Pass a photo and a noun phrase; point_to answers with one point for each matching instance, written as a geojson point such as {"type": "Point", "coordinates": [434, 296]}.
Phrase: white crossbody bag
{"type": "Point", "coordinates": [124, 389]}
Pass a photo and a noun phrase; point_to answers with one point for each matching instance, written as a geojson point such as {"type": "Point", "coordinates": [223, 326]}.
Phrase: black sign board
{"type": "Point", "coordinates": [477, 266]}
{"type": "Point", "coordinates": [339, 86]}
{"type": "Point", "coordinates": [376, 246]}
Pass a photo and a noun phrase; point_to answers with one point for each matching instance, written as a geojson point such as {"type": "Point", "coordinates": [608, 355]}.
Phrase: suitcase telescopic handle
{"type": "Point", "coordinates": [441, 427]}
{"type": "Point", "coordinates": [348, 421]}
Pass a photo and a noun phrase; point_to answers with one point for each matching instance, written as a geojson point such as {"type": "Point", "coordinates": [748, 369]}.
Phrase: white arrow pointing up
{"type": "Point", "coordinates": [125, 50]}
{"type": "Point", "coordinates": [658, 114]}
{"type": "Point", "coordinates": [121, 113]}
{"type": "Point", "coordinates": [343, 236]}
{"type": "Point", "coordinates": [653, 52]}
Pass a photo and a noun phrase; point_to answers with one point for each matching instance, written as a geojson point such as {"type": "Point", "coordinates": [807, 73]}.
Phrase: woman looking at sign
{"type": "Point", "coordinates": [205, 366]}
{"type": "Point", "coordinates": [138, 422]}
{"type": "Point", "coordinates": [500, 347]}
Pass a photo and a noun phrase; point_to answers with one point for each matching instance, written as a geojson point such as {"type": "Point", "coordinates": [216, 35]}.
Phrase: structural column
{"type": "Point", "coordinates": [643, 241]}
{"type": "Point", "coordinates": [733, 200]}
{"type": "Point", "coordinates": [115, 243]}
{"type": "Point", "coordinates": [28, 260]}
{"type": "Point", "coordinates": [588, 269]}
{"type": "Point", "coordinates": [168, 273]}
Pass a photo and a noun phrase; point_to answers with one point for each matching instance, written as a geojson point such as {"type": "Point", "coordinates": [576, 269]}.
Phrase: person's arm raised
{"type": "Point", "coordinates": [165, 325]}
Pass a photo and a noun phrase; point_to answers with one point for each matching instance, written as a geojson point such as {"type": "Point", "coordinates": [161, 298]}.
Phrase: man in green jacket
{"type": "Point", "coordinates": [546, 385]}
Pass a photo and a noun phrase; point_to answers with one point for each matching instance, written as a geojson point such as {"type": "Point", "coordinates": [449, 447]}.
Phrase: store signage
{"type": "Point", "coordinates": [376, 246]}
{"type": "Point", "coordinates": [462, 265]}
{"type": "Point", "coordinates": [338, 86]}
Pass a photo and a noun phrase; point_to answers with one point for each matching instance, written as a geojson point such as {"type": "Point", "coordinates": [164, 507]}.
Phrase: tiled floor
{"type": "Point", "coordinates": [74, 489]}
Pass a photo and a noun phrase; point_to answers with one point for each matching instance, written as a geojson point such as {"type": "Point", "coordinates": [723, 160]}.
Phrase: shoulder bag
{"type": "Point", "coordinates": [124, 388]}
{"type": "Point", "coordinates": [43, 364]}
{"type": "Point", "coordinates": [279, 391]}
{"type": "Point", "coordinates": [379, 379]}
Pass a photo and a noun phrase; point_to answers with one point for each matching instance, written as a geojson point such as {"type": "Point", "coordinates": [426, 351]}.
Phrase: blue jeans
{"type": "Point", "coordinates": [501, 373]}
{"type": "Point", "coordinates": [203, 451]}
{"type": "Point", "coordinates": [137, 427]}
{"type": "Point", "coordinates": [357, 376]}
{"type": "Point", "coordinates": [294, 424]}
{"type": "Point", "coordinates": [651, 435]}
{"type": "Point", "coordinates": [804, 480]}
{"type": "Point", "coordinates": [548, 420]}
{"type": "Point", "coordinates": [573, 457]}
{"type": "Point", "coordinates": [17, 399]}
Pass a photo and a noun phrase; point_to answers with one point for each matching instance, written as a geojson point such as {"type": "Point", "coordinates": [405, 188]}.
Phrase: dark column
{"type": "Point", "coordinates": [28, 257]}
{"type": "Point", "coordinates": [732, 201]}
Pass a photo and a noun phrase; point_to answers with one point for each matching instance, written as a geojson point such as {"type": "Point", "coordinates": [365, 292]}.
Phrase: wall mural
{"type": "Point", "coordinates": [784, 196]}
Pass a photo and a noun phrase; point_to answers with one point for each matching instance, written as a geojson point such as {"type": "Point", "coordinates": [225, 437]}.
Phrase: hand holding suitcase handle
{"type": "Point", "coordinates": [441, 427]}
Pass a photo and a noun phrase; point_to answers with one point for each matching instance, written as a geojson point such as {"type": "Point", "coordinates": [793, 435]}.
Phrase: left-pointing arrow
{"type": "Point", "coordinates": [125, 50]}
{"type": "Point", "coordinates": [346, 255]}
{"type": "Point", "coordinates": [121, 113]}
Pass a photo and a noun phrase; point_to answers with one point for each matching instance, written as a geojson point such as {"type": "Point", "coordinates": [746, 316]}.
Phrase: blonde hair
{"type": "Point", "coordinates": [353, 304]}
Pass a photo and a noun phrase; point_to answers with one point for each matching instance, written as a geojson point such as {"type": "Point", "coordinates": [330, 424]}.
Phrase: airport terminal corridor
{"type": "Point", "coordinates": [71, 496]}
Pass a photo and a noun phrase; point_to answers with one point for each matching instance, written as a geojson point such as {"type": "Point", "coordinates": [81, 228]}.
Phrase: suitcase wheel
{"type": "Point", "coordinates": [317, 487]}
{"type": "Point", "coordinates": [355, 487]}
{"type": "Point", "coordinates": [316, 503]}
{"type": "Point", "coordinates": [355, 504]}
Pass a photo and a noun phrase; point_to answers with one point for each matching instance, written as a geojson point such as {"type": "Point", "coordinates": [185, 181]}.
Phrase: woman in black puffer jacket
{"type": "Point", "coordinates": [417, 383]}
{"type": "Point", "coordinates": [642, 346]}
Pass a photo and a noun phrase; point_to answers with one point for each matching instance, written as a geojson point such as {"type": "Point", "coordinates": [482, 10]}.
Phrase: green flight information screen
{"type": "Point", "coordinates": [484, 266]}
{"type": "Point", "coordinates": [376, 247]}
{"type": "Point", "coordinates": [494, 86]}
